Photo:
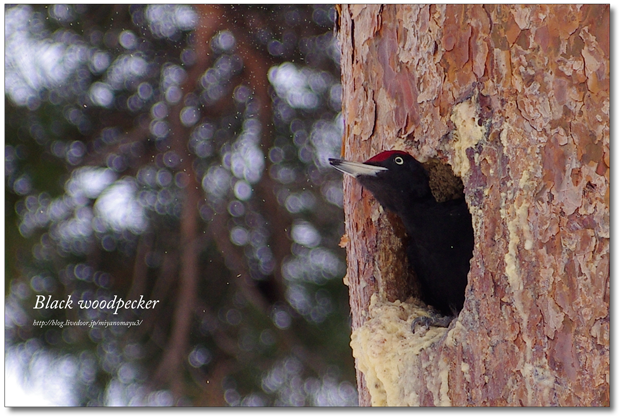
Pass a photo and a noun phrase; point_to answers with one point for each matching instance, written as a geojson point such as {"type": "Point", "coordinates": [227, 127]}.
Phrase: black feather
{"type": "Point", "coordinates": [441, 237]}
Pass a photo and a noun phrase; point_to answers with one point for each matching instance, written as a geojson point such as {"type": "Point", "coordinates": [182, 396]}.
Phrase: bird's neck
{"type": "Point", "coordinates": [418, 213]}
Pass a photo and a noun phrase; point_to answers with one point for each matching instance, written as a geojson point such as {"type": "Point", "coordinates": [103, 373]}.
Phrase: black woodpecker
{"type": "Point", "coordinates": [441, 237]}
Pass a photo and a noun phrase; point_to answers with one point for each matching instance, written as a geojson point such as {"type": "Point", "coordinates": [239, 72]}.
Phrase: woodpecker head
{"type": "Point", "coordinates": [393, 177]}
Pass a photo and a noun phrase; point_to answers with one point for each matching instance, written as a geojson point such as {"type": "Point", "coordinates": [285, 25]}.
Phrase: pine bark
{"type": "Point", "coordinates": [516, 100]}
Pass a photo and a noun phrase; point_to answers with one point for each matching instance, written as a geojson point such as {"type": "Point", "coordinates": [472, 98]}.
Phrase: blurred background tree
{"type": "Point", "coordinates": [179, 153]}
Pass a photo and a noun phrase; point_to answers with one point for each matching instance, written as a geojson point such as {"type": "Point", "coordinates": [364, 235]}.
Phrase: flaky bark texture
{"type": "Point", "coordinates": [516, 100]}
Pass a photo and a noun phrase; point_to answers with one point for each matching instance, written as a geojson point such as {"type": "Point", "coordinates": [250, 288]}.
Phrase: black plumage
{"type": "Point", "coordinates": [441, 238]}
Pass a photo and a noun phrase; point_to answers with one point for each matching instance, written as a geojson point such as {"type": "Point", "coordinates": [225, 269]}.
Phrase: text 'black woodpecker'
{"type": "Point", "coordinates": [441, 238]}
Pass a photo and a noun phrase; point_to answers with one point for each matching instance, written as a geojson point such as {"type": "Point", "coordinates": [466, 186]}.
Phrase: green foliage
{"type": "Point", "coordinates": [137, 136]}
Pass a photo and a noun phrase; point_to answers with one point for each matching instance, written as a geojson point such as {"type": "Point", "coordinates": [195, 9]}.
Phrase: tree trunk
{"type": "Point", "coordinates": [516, 100]}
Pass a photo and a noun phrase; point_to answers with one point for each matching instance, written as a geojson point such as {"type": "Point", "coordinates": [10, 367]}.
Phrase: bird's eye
{"type": "Point", "coordinates": [399, 160]}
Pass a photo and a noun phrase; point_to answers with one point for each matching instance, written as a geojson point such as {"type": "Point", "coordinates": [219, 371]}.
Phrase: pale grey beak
{"type": "Point", "coordinates": [355, 169]}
